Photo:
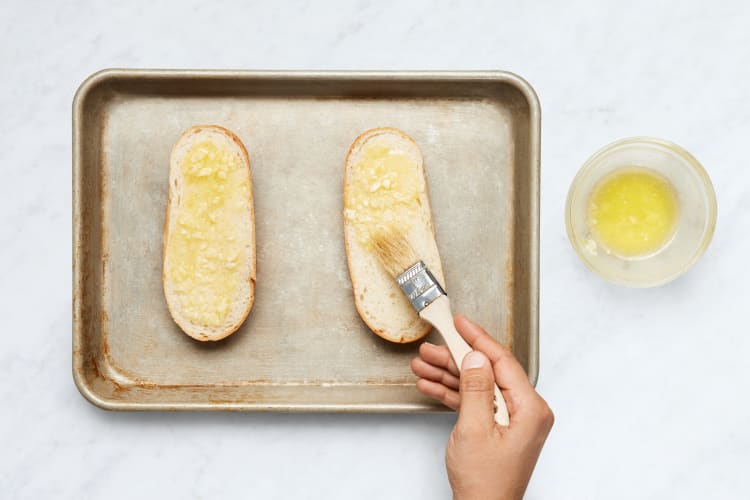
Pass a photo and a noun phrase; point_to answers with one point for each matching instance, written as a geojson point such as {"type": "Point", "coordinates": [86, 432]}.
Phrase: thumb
{"type": "Point", "coordinates": [476, 410]}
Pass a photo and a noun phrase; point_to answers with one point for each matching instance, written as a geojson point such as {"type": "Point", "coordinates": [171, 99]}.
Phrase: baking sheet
{"type": "Point", "coordinates": [303, 346]}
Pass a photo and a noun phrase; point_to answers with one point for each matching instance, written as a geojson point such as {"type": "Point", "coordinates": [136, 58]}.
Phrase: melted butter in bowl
{"type": "Point", "coordinates": [633, 212]}
{"type": "Point", "coordinates": [640, 212]}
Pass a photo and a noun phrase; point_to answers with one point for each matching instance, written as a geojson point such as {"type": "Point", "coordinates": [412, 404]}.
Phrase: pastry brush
{"type": "Point", "coordinates": [427, 297]}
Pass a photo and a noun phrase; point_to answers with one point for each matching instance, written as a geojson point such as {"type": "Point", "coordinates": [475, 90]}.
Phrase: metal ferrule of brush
{"type": "Point", "coordinates": [420, 286]}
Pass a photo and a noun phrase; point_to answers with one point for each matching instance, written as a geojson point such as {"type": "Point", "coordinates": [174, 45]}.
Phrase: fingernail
{"type": "Point", "coordinates": [429, 344]}
{"type": "Point", "coordinates": [474, 359]}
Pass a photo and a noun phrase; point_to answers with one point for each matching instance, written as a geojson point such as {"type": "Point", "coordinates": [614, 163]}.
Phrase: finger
{"type": "Point", "coordinates": [509, 374]}
{"type": "Point", "coordinates": [438, 355]}
{"type": "Point", "coordinates": [476, 416]}
{"type": "Point", "coordinates": [423, 369]}
{"type": "Point", "coordinates": [434, 390]}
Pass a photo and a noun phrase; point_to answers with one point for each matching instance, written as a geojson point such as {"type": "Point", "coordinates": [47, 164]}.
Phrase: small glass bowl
{"type": "Point", "coordinates": [696, 218]}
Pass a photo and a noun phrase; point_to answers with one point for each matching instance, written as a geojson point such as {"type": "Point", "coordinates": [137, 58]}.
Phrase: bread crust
{"type": "Point", "coordinates": [359, 142]}
{"type": "Point", "coordinates": [199, 332]}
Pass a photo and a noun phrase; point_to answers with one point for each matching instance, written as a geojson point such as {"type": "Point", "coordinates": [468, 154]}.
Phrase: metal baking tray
{"type": "Point", "coordinates": [303, 347]}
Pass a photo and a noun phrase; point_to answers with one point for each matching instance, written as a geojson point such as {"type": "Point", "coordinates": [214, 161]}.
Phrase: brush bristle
{"type": "Point", "coordinates": [393, 251]}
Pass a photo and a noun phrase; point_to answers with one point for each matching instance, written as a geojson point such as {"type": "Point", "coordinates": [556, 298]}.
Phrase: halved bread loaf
{"type": "Point", "coordinates": [209, 234]}
{"type": "Point", "coordinates": [385, 186]}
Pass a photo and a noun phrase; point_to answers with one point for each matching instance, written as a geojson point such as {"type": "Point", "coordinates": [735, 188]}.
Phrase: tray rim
{"type": "Point", "coordinates": [103, 75]}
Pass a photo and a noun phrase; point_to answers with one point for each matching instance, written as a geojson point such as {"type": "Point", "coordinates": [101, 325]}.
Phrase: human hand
{"type": "Point", "coordinates": [485, 461]}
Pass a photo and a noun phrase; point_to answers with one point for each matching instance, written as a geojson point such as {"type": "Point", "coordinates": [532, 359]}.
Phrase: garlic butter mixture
{"type": "Point", "coordinates": [633, 212]}
{"type": "Point", "coordinates": [384, 191]}
{"type": "Point", "coordinates": [204, 248]}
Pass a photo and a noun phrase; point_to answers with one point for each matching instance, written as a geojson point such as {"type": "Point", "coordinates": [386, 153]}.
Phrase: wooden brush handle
{"type": "Point", "coordinates": [439, 315]}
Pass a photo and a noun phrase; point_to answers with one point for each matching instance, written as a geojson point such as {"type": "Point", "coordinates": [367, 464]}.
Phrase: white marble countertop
{"type": "Point", "coordinates": [649, 386]}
